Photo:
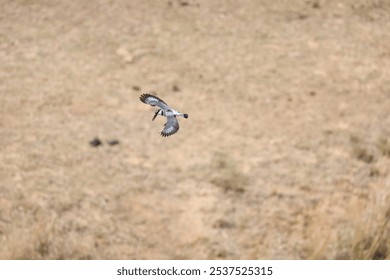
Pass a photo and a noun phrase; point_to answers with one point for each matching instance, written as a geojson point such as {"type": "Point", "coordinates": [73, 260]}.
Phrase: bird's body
{"type": "Point", "coordinates": [172, 125]}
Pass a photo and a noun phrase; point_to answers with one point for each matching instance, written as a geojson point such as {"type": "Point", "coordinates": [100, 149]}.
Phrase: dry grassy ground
{"type": "Point", "coordinates": [285, 155]}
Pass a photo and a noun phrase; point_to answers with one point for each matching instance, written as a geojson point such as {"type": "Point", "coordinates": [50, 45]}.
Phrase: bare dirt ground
{"type": "Point", "coordinates": [285, 155]}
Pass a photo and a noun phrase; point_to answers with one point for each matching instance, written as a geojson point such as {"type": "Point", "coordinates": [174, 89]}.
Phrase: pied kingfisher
{"type": "Point", "coordinates": [172, 125]}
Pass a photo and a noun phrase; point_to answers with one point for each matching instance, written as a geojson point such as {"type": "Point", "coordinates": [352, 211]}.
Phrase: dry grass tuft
{"type": "Point", "coordinates": [360, 152]}
{"type": "Point", "coordinates": [383, 146]}
{"type": "Point", "coordinates": [363, 233]}
{"type": "Point", "coordinates": [370, 237]}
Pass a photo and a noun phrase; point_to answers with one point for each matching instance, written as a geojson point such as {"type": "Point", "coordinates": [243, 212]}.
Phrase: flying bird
{"type": "Point", "coordinates": [172, 125]}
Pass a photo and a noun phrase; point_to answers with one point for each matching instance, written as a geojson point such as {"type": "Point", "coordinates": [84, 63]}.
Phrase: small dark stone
{"type": "Point", "coordinates": [184, 3]}
{"type": "Point", "coordinates": [312, 93]}
{"type": "Point", "coordinates": [137, 88]}
{"type": "Point", "coordinates": [316, 5]}
{"type": "Point", "coordinates": [302, 16]}
{"type": "Point", "coordinates": [223, 224]}
{"type": "Point", "coordinates": [113, 142]}
{"type": "Point", "coordinates": [175, 88]}
{"type": "Point", "coordinates": [95, 142]}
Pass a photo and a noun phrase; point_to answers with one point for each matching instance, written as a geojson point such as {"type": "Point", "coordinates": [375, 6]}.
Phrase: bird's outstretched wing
{"type": "Point", "coordinates": [153, 101]}
{"type": "Point", "coordinates": [171, 127]}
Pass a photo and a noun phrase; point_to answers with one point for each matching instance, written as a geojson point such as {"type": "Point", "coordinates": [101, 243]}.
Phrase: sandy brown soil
{"type": "Point", "coordinates": [285, 155]}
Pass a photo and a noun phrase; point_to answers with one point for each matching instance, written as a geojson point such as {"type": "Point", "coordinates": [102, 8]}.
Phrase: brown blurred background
{"type": "Point", "coordinates": [285, 155]}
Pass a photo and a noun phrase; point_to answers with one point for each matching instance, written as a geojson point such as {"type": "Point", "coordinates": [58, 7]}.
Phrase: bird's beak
{"type": "Point", "coordinates": [155, 115]}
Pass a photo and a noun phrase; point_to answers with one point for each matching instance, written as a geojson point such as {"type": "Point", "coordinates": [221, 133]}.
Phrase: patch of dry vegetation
{"type": "Point", "coordinates": [384, 146]}
{"type": "Point", "coordinates": [264, 168]}
{"type": "Point", "coordinates": [370, 235]}
{"type": "Point", "coordinates": [226, 175]}
{"type": "Point", "coordinates": [363, 233]}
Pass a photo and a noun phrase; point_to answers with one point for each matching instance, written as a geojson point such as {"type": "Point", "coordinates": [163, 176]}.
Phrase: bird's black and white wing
{"type": "Point", "coordinates": [154, 101]}
{"type": "Point", "coordinates": [171, 127]}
